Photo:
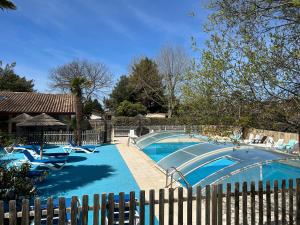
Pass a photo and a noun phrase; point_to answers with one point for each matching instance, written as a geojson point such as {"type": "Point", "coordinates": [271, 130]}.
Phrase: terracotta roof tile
{"type": "Point", "coordinates": [31, 102]}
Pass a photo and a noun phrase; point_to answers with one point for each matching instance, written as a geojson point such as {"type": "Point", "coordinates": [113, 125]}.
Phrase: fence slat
{"type": "Point", "coordinates": [198, 205]}
{"type": "Point", "coordinates": [291, 206]}
{"type": "Point", "coordinates": [74, 210]}
{"type": "Point", "coordinates": [96, 209]}
{"type": "Point", "coordinates": [103, 209]}
{"type": "Point", "coordinates": [220, 204]}
{"type": "Point", "coordinates": [50, 211]}
{"type": "Point", "coordinates": [151, 207]}
{"type": "Point", "coordinates": [244, 207]}
{"type": "Point", "coordinates": [214, 214]}
{"type": "Point", "coordinates": [142, 207]}
{"type": "Point", "coordinates": [180, 206]}
{"type": "Point", "coordinates": [252, 203]}
{"type": "Point", "coordinates": [161, 206]}
{"type": "Point", "coordinates": [268, 201]}
{"type": "Point", "coordinates": [171, 206]}
{"type": "Point", "coordinates": [283, 202]}
{"type": "Point", "coordinates": [121, 208]}
{"type": "Point", "coordinates": [111, 208]}
{"type": "Point", "coordinates": [62, 211]}
{"type": "Point", "coordinates": [190, 206]}
{"type": "Point", "coordinates": [25, 212]}
{"type": "Point", "coordinates": [37, 211]}
{"type": "Point", "coordinates": [298, 202]}
{"type": "Point", "coordinates": [85, 209]}
{"type": "Point", "coordinates": [207, 205]}
{"type": "Point", "coordinates": [276, 202]}
{"type": "Point", "coordinates": [1, 213]}
{"type": "Point", "coordinates": [236, 203]}
{"type": "Point", "coordinates": [228, 204]}
{"type": "Point", "coordinates": [12, 212]}
{"type": "Point", "coordinates": [132, 208]}
{"type": "Point", "coordinates": [260, 203]}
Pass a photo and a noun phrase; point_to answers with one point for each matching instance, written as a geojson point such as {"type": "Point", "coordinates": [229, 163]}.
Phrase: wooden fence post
{"type": "Point", "coordinates": [50, 211]}
{"type": "Point", "coordinates": [244, 208]}
{"type": "Point", "coordinates": [103, 209]}
{"type": "Point", "coordinates": [260, 203]}
{"type": "Point", "coordinates": [220, 204]}
{"type": "Point", "coordinates": [171, 206]}
{"type": "Point", "coordinates": [283, 202]}
{"type": "Point", "coordinates": [25, 212]}
{"type": "Point", "coordinates": [151, 207]}
{"type": "Point", "coordinates": [12, 212]}
{"type": "Point", "coordinates": [37, 211]}
{"type": "Point", "coordinates": [207, 205]}
{"type": "Point", "coordinates": [291, 205]}
{"type": "Point", "coordinates": [268, 201]}
{"type": "Point", "coordinates": [198, 205]}
{"type": "Point", "coordinates": [190, 206]}
{"type": "Point", "coordinates": [132, 208]}
{"type": "Point", "coordinates": [276, 219]}
{"type": "Point", "coordinates": [1, 213]}
{"type": "Point", "coordinates": [214, 205]}
{"type": "Point", "coordinates": [85, 209]}
{"type": "Point", "coordinates": [252, 203]}
{"type": "Point", "coordinates": [62, 211]}
{"type": "Point", "coordinates": [121, 208]}
{"type": "Point", "coordinates": [96, 209]}
{"type": "Point", "coordinates": [228, 204]}
{"type": "Point", "coordinates": [298, 202]}
{"type": "Point", "coordinates": [180, 206]}
{"type": "Point", "coordinates": [237, 203]}
{"type": "Point", "coordinates": [161, 206]}
{"type": "Point", "coordinates": [74, 210]}
{"type": "Point", "coordinates": [111, 208]}
{"type": "Point", "coordinates": [142, 207]}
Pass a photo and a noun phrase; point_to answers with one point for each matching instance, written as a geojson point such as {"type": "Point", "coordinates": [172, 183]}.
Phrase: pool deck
{"type": "Point", "coordinates": [143, 169]}
{"type": "Point", "coordinates": [148, 176]}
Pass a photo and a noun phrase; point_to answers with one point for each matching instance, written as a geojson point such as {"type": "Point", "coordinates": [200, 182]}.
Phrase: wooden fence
{"type": "Point", "coordinates": [213, 205]}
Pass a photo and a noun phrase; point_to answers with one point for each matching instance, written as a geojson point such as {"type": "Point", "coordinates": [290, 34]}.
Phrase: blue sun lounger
{"type": "Point", "coordinates": [54, 164]}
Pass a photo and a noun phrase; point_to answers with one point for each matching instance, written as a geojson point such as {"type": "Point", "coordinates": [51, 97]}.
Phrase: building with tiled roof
{"type": "Point", "coordinates": [13, 104]}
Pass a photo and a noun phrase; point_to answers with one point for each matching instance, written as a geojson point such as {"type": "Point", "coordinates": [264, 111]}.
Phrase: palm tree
{"type": "Point", "coordinates": [76, 89]}
{"type": "Point", "coordinates": [6, 4]}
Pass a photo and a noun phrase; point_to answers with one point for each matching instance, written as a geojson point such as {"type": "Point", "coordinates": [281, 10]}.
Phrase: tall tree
{"type": "Point", "coordinates": [10, 81]}
{"type": "Point", "coordinates": [84, 79]}
{"type": "Point", "coordinates": [148, 87]}
{"type": "Point", "coordinates": [173, 63]}
{"type": "Point", "coordinates": [6, 4]}
{"type": "Point", "coordinates": [252, 58]}
{"type": "Point", "coordinates": [123, 90]}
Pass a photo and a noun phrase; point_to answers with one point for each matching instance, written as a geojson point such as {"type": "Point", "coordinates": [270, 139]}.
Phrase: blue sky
{"type": "Point", "coordinates": [41, 35]}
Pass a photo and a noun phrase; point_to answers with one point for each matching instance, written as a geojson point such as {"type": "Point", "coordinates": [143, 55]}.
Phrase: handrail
{"type": "Point", "coordinates": [175, 170]}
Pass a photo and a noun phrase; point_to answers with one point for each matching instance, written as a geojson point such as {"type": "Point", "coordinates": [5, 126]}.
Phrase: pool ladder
{"type": "Point", "coordinates": [171, 175]}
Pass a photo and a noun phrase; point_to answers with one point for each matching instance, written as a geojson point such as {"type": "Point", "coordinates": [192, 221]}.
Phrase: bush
{"type": "Point", "coordinates": [127, 108]}
{"type": "Point", "coordinates": [14, 182]}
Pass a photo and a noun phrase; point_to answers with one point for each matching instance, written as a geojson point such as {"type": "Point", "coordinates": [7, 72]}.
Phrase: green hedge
{"type": "Point", "coordinates": [133, 121]}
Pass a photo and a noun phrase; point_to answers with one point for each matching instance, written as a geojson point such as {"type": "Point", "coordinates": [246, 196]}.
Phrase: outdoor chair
{"type": "Point", "coordinates": [250, 139]}
{"type": "Point", "coordinates": [279, 144]}
{"type": "Point", "coordinates": [37, 150]}
{"type": "Point", "coordinates": [73, 147]}
{"type": "Point", "coordinates": [53, 164]}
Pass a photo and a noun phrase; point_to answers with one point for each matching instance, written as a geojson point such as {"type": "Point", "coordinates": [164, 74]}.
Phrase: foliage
{"type": "Point", "coordinates": [14, 182]}
{"type": "Point", "coordinates": [10, 81]}
{"type": "Point", "coordinates": [90, 106]}
{"type": "Point", "coordinates": [123, 90]}
{"type": "Point", "coordinates": [127, 108]}
{"type": "Point", "coordinates": [6, 4]}
{"type": "Point", "coordinates": [249, 72]}
{"type": "Point", "coordinates": [143, 85]}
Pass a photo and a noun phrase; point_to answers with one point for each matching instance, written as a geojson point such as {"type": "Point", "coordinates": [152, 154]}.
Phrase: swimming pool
{"type": "Point", "coordinates": [158, 151]}
{"type": "Point", "coordinates": [205, 163]}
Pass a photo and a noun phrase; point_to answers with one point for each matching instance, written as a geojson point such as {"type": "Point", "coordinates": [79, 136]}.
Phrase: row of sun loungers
{"type": "Point", "coordinates": [265, 141]}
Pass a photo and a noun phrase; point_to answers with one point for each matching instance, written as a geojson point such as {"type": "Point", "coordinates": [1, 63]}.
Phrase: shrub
{"type": "Point", "coordinates": [127, 108]}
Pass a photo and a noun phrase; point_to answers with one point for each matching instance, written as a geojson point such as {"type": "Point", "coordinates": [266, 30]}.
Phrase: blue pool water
{"type": "Point", "coordinates": [200, 173]}
{"type": "Point", "coordinates": [157, 151]}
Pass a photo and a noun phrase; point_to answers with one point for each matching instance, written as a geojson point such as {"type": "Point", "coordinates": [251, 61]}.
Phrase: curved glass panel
{"type": "Point", "coordinates": [230, 163]}
{"type": "Point", "coordinates": [188, 154]}
{"type": "Point", "coordinates": [151, 138]}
